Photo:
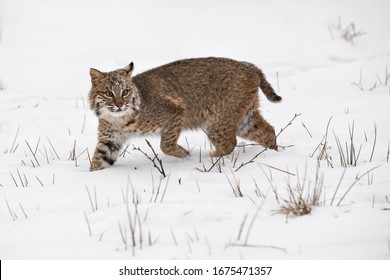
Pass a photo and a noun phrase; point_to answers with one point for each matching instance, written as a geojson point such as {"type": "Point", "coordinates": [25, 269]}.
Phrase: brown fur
{"type": "Point", "coordinates": [218, 95]}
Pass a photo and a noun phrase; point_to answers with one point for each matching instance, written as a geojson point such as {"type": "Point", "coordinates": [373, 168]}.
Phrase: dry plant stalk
{"type": "Point", "coordinates": [323, 147]}
{"type": "Point", "coordinates": [236, 188]}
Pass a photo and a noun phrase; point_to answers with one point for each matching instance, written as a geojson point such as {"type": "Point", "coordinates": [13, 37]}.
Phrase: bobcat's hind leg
{"type": "Point", "coordinates": [223, 137]}
{"type": "Point", "coordinates": [107, 150]}
{"type": "Point", "coordinates": [171, 131]}
{"type": "Point", "coordinates": [255, 128]}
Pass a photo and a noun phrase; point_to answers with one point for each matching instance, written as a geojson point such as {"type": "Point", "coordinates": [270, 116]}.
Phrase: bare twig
{"type": "Point", "coordinates": [289, 123]}
{"type": "Point", "coordinates": [252, 160]}
{"type": "Point", "coordinates": [157, 162]}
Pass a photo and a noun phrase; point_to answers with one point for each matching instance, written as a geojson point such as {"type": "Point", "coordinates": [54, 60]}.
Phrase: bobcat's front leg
{"type": "Point", "coordinates": [107, 149]}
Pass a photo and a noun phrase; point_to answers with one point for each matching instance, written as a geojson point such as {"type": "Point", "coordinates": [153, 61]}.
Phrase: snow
{"type": "Point", "coordinates": [46, 50]}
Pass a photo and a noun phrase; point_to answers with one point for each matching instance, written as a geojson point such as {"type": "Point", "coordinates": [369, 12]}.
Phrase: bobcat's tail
{"type": "Point", "coordinates": [267, 88]}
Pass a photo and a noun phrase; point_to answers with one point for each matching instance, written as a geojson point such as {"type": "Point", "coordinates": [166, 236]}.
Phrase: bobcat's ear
{"type": "Point", "coordinates": [129, 68]}
{"type": "Point", "coordinates": [95, 74]}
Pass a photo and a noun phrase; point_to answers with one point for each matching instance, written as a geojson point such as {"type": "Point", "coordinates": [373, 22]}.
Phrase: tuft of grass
{"type": "Point", "coordinates": [301, 199]}
{"type": "Point", "coordinates": [349, 32]}
{"type": "Point", "coordinates": [349, 156]}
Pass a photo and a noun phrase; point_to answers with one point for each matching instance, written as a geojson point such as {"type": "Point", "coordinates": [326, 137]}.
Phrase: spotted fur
{"type": "Point", "coordinates": [218, 95]}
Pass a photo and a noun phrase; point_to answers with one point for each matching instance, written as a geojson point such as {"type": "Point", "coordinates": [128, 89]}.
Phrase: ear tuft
{"type": "Point", "coordinates": [129, 68]}
{"type": "Point", "coordinates": [95, 74]}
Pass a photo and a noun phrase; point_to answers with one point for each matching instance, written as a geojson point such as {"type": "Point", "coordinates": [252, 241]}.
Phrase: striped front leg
{"type": "Point", "coordinates": [107, 150]}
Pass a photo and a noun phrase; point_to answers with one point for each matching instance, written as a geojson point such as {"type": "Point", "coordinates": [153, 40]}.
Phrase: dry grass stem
{"type": "Point", "coordinates": [278, 169]}
{"type": "Point", "coordinates": [13, 178]}
{"type": "Point", "coordinates": [373, 146]}
{"type": "Point", "coordinates": [51, 145]}
{"type": "Point", "coordinates": [33, 154]}
{"type": "Point", "coordinates": [357, 179]}
{"type": "Point", "coordinates": [24, 212]}
{"type": "Point", "coordinates": [40, 182]}
{"type": "Point", "coordinates": [14, 217]}
{"type": "Point", "coordinates": [307, 130]}
{"type": "Point", "coordinates": [13, 146]}
{"type": "Point", "coordinates": [236, 188]}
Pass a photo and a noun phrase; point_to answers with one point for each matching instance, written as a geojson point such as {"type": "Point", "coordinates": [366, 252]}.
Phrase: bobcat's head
{"type": "Point", "coordinates": [113, 93]}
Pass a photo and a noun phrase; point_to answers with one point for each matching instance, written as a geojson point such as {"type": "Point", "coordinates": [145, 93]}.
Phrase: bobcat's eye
{"type": "Point", "coordinates": [125, 92]}
{"type": "Point", "coordinates": [109, 93]}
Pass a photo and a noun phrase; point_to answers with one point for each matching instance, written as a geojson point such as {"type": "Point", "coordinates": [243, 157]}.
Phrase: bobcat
{"type": "Point", "coordinates": [218, 95]}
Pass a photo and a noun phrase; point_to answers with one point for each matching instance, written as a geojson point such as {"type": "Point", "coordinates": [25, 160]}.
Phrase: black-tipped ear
{"type": "Point", "coordinates": [95, 74]}
{"type": "Point", "coordinates": [129, 68]}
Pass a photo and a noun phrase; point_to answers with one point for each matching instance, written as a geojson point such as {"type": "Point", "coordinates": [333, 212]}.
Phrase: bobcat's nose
{"type": "Point", "coordinates": [119, 104]}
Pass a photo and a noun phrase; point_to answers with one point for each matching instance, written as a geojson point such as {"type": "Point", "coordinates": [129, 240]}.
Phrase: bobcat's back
{"type": "Point", "coordinates": [206, 87]}
{"type": "Point", "coordinates": [206, 78]}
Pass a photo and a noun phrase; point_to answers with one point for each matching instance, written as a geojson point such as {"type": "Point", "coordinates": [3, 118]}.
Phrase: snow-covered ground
{"type": "Point", "coordinates": [52, 207]}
